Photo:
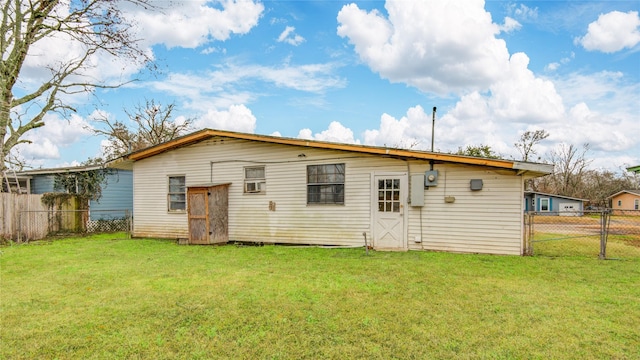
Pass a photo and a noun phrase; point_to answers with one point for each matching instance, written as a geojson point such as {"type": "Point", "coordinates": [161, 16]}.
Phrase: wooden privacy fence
{"type": "Point", "coordinates": [11, 206]}
{"type": "Point", "coordinates": [24, 218]}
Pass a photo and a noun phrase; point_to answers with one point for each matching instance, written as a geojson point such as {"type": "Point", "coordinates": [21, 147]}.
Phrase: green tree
{"type": "Point", "coordinates": [528, 140]}
{"type": "Point", "coordinates": [481, 150]}
{"type": "Point", "coordinates": [86, 184]}
{"type": "Point", "coordinates": [98, 25]}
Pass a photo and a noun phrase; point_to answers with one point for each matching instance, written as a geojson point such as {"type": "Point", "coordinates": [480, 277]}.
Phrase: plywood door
{"type": "Point", "coordinates": [388, 220]}
{"type": "Point", "coordinates": [198, 210]}
{"type": "Point", "coordinates": [218, 214]}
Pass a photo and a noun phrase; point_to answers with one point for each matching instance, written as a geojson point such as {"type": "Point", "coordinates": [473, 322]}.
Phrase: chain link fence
{"type": "Point", "coordinates": [36, 225]}
{"type": "Point", "coordinates": [601, 233]}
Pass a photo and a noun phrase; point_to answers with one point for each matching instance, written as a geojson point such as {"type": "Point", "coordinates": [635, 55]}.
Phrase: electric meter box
{"type": "Point", "coordinates": [431, 178]}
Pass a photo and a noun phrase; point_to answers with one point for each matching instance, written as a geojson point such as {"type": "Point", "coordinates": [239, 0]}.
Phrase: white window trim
{"type": "Point", "coordinates": [257, 185]}
{"type": "Point", "coordinates": [176, 211]}
{"type": "Point", "coordinates": [541, 200]}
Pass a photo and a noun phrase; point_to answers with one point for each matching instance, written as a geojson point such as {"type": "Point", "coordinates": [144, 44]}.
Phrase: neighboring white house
{"type": "Point", "coordinates": [212, 186]}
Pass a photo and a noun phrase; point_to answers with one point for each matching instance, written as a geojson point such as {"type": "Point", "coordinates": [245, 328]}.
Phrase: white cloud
{"type": "Point", "coordinates": [510, 25]}
{"type": "Point", "coordinates": [523, 97]}
{"type": "Point", "coordinates": [223, 87]}
{"type": "Point", "coordinates": [290, 37]}
{"type": "Point", "coordinates": [212, 49]}
{"type": "Point", "coordinates": [58, 133]}
{"type": "Point", "coordinates": [59, 49]}
{"type": "Point", "coordinates": [410, 131]}
{"type": "Point", "coordinates": [335, 133]}
{"type": "Point", "coordinates": [610, 91]}
{"type": "Point", "coordinates": [191, 23]}
{"type": "Point", "coordinates": [603, 110]}
{"type": "Point", "coordinates": [556, 65]}
{"type": "Point", "coordinates": [41, 149]}
{"type": "Point", "coordinates": [237, 118]}
{"type": "Point", "coordinates": [63, 132]}
{"type": "Point", "coordinates": [454, 51]}
{"type": "Point", "coordinates": [552, 66]}
{"type": "Point", "coordinates": [612, 32]}
{"type": "Point", "coordinates": [523, 12]}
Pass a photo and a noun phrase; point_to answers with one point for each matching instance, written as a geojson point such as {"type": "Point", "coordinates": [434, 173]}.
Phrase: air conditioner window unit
{"type": "Point", "coordinates": [253, 186]}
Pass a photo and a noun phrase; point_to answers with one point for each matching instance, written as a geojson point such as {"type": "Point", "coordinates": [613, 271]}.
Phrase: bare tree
{"type": "Point", "coordinates": [569, 167]}
{"type": "Point", "coordinates": [152, 124]}
{"type": "Point", "coordinates": [528, 140]}
{"type": "Point", "coordinates": [98, 25]}
{"type": "Point", "coordinates": [598, 185]}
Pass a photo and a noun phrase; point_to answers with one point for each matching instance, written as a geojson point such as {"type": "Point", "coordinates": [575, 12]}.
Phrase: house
{"type": "Point", "coordinates": [215, 186]}
{"type": "Point", "coordinates": [551, 204]}
{"type": "Point", "coordinates": [625, 201]}
{"type": "Point", "coordinates": [117, 190]}
{"type": "Point", "coordinates": [11, 182]}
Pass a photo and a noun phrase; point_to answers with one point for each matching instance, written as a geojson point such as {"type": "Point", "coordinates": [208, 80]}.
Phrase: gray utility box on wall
{"type": "Point", "coordinates": [431, 178]}
{"type": "Point", "coordinates": [475, 184]}
{"type": "Point", "coordinates": [417, 190]}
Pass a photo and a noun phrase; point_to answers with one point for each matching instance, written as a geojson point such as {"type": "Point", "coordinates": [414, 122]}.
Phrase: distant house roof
{"type": "Point", "coordinates": [534, 169]}
{"type": "Point", "coordinates": [635, 169]}
{"type": "Point", "coordinates": [59, 170]}
{"type": "Point", "coordinates": [554, 195]}
{"type": "Point", "coordinates": [633, 192]}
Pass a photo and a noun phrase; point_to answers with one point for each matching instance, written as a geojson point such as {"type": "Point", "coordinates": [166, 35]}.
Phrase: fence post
{"type": "Point", "coordinates": [127, 214]}
{"type": "Point", "coordinates": [603, 234]}
{"type": "Point", "coordinates": [528, 221]}
{"type": "Point", "coordinates": [20, 227]}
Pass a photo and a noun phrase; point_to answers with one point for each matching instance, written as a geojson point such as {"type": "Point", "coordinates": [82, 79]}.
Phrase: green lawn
{"type": "Point", "coordinates": [97, 298]}
{"type": "Point", "coordinates": [625, 247]}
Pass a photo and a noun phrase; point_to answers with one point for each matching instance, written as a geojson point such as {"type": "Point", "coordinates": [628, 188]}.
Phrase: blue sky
{"type": "Point", "coordinates": [370, 72]}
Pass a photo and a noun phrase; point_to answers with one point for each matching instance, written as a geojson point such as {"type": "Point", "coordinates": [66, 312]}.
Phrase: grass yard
{"type": "Point", "coordinates": [97, 298]}
{"type": "Point", "coordinates": [558, 244]}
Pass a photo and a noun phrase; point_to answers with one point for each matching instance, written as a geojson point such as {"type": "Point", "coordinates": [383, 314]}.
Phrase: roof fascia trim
{"type": "Point", "coordinates": [402, 153]}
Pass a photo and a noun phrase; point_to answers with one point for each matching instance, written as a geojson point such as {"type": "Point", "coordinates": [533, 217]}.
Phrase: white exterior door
{"type": "Point", "coordinates": [389, 204]}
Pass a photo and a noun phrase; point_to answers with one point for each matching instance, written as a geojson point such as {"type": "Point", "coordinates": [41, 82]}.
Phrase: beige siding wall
{"type": "Point", "coordinates": [249, 216]}
{"type": "Point", "coordinates": [627, 201]}
{"type": "Point", "coordinates": [486, 221]}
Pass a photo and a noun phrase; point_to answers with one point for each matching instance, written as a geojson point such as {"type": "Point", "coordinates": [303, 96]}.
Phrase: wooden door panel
{"type": "Point", "coordinates": [219, 214]}
{"type": "Point", "coordinates": [198, 212]}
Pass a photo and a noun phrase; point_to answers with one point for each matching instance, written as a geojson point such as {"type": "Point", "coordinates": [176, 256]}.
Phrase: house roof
{"type": "Point", "coordinates": [632, 192]}
{"type": "Point", "coordinates": [554, 195]}
{"type": "Point", "coordinates": [533, 169]}
{"type": "Point", "coordinates": [59, 170]}
{"type": "Point", "coordinates": [635, 169]}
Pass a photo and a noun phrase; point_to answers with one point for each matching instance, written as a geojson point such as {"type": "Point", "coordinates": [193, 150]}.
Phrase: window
{"type": "Point", "coordinates": [389, 195]}
{"type": "Point", "coordinates": [176, 197]}
{"type": "Point", "coordinates": [619, 203]}
{"type": "Point", "coordinates": [254, 180]}
{"type": "Point", "coordinates": [325, 184]}
{"type": "Point", "coordinates": [636, 204]}
{"type": "Point", "coordinates": [544, 204]}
